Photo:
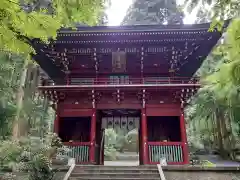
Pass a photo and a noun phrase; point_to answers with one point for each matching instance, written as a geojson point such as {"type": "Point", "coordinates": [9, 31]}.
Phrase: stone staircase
{"type": "Point", "coordinates": [115, 173]}
{"type": "Point", "coordinates": [148, 172]}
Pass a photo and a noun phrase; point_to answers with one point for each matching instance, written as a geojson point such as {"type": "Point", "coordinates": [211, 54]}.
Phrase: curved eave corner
{"type": "Point", "coordinates": [205, 49]}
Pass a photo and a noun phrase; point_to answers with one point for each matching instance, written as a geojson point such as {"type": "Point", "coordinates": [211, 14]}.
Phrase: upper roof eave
{"type": "Point", "coordinates": [139, 28]}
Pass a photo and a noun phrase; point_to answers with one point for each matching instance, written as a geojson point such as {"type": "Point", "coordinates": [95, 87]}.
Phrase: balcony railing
{"type": "Point", "coordinates": [129, 81]}
{"type": "Point", "coordinates": [79, 151]}
{"type": "Point", "coordinates": [172, 151]}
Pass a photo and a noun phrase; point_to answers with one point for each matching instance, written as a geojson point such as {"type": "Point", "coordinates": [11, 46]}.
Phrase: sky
{"type": "Point", "coordinates": [119, 8]}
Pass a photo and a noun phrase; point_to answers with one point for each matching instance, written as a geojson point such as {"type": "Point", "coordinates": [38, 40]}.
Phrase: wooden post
{"type": "Point", "coordinates": [144, 137]}
{"type": "Point", "coordinates": [184, 139]}
{"type": "Point", "coordinates": [67, 78]}
{"type": "Point", "coordinates": [93, 137]}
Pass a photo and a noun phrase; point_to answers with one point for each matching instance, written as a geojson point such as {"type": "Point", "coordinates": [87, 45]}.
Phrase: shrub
{"type": "Point", "coordinates": [32, 156]}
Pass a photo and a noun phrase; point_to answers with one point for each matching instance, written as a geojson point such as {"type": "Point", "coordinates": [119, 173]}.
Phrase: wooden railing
{"type": "Point", "coordinates": [172, 151]}
{"type": "Point", "coordinates": [127, 81]}
{"type": "Point", "coordinates": [147, 80]}
{"type": "Point", "coordinates": [79, 151]}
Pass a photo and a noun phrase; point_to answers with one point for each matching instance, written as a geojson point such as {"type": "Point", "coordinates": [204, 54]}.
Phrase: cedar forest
{"type": "Point", "coordinates": [213, 116]}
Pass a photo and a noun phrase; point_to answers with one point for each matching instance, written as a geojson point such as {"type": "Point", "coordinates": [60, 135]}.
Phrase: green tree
{"type": "Point", "coordinates": [24, 20]}
{"type": "Point", "coordinates": [21, 21]}
{"type": "Point", "coordinates": [215, 108]}
{"type": "Point", "coordinates": [146, 12]}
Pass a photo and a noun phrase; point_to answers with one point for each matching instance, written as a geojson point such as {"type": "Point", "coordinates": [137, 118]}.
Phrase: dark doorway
{"type": "Point", "coordinates": [163, 128]}
{"type": "Point", "coordinates": [75, 129]}
{"type": "Point", "coordinates": [121, 136]}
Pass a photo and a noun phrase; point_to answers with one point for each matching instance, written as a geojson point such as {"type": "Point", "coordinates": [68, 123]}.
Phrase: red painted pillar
{"type": "Point", "coordinates": [144, 137]}
{"type": "Point", "coordinates": [67, 79]}
{"type": "Point", "coordinates": [93, 137]}
{"type": "Point", "coordinates": [184, 139]}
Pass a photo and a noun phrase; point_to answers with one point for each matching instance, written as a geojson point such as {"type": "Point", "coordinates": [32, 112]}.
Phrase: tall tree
{"type": "Point", "coordinates": [217, 102]}
{"type": "Point", "coordinates": [21, 21]}
{"type": "Point", "coordinates": [146, 12]}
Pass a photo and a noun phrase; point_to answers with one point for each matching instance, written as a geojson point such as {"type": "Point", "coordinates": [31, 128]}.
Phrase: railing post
{"type": "Point", "coordinates": [144, 137]}
{"type": "Point", "coordinates": [184, 139]}
{"type": "Point", "coordinates": [92, 137]}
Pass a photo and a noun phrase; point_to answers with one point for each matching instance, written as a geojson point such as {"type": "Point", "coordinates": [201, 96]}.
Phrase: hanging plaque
{"type": "Point", "coordinates": [119, 61]}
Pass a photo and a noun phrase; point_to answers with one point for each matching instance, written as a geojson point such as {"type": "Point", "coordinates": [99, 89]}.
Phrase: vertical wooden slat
{"type": "Point", "coordinates": [80, 153]}
{"type": "Point", "coordinates": [172, 153]}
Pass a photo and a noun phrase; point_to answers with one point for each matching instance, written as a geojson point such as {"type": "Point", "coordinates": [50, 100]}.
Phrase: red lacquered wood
{"type": "Point", "coordinates": [163, 110]}
{"type": "Point", "coordinates": [119, 106]}
{"type": "Point", "coordinates": [165, 143]}
{"type": "Point", "coordinates": [93, 136]}
{"type": "Point", "coordinates": [184, 139]}
{"type": "Point", "coordinates": [144, 137]}
{"type": "Point", "coordinates": [73, 112]}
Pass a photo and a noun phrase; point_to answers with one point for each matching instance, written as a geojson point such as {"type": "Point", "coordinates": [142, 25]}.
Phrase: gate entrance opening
{"type": "Point", "coordinates": [119, 142]}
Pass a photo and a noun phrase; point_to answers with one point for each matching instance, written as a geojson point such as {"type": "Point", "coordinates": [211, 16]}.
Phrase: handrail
{"type": "Point", "coordinates": [150, 80]}
{"type": "Point", "coordinates": [166, 143]}
{"type": "Point", "coordinates": [76, 87]}
{"type": "Point", "coordinates": [160, 171]}
{"type": "Point", "coordinates": [68, 174]}
{"type": "Point", "coordinates": [76, 143]}
{"type": "Point", "coordinates": [130, 80]}
{"type": "Point", "coordinates": [101, 145]}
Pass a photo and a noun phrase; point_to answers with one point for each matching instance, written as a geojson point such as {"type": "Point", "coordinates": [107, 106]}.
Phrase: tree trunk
{"type": "Point", "coordinates": [219, 132]}
{"type": "Point", "coordinates": [18, 124]}
{"type": "Point", "coordinates": [214, 128]}
{"type": "Point", "coordinates": [230, 136]}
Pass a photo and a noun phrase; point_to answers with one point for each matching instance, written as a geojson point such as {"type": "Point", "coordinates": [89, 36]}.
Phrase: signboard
{"type": "Point", "coordinates": [119, 62]}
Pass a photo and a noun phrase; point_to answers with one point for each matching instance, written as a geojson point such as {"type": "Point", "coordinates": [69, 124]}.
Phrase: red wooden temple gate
{"type": "Point", "coordinates": [146, 69]}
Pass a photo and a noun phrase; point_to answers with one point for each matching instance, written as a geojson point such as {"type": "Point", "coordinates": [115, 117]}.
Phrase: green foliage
{"type": "Point", "coordinates": [118, 140]}
{"type": "Point", "coordinates": [221, 9]}
{"type": "Point", "coordinates": [214, 114]}
{"type": "Point", "coordinates": [146, 12]}
{"type": "Point", "coordinates": [6, 115]}
{"type": "Point", "coordinates": [207, 164]}
{"type": "Point", "coordinates": [35, 113]}
{"type": "Point", "coordinates": [9, 152]}
{"type": "Point", "coordinates": [110, 139]}
{"type": "Point", "coordinates": [31, 155]}
{"type": "Point", "coordinates": [23, 20]}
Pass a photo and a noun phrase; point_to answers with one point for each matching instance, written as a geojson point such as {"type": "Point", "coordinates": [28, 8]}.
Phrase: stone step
{"type": "Point", "coordinates": [121, 163]}
{"type": "Point", "coordinates": [115, 170]}
{"type": "Point", "coordinates": [128, 156]}
{"type": "Point", "coordinates": [97, 167]}
{"type": "Point", "coordinates": [91, 172]}
{"type": "Point", "coordinates": [117, 175]}
{"type": "Point", "coordinates": [151, 172]}
{"type": "Point", "coordinates": [114, 178]}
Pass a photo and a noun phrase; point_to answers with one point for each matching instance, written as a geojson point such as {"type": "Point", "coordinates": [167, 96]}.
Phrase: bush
{"type": "Point", "coordinates": [31, 155]}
